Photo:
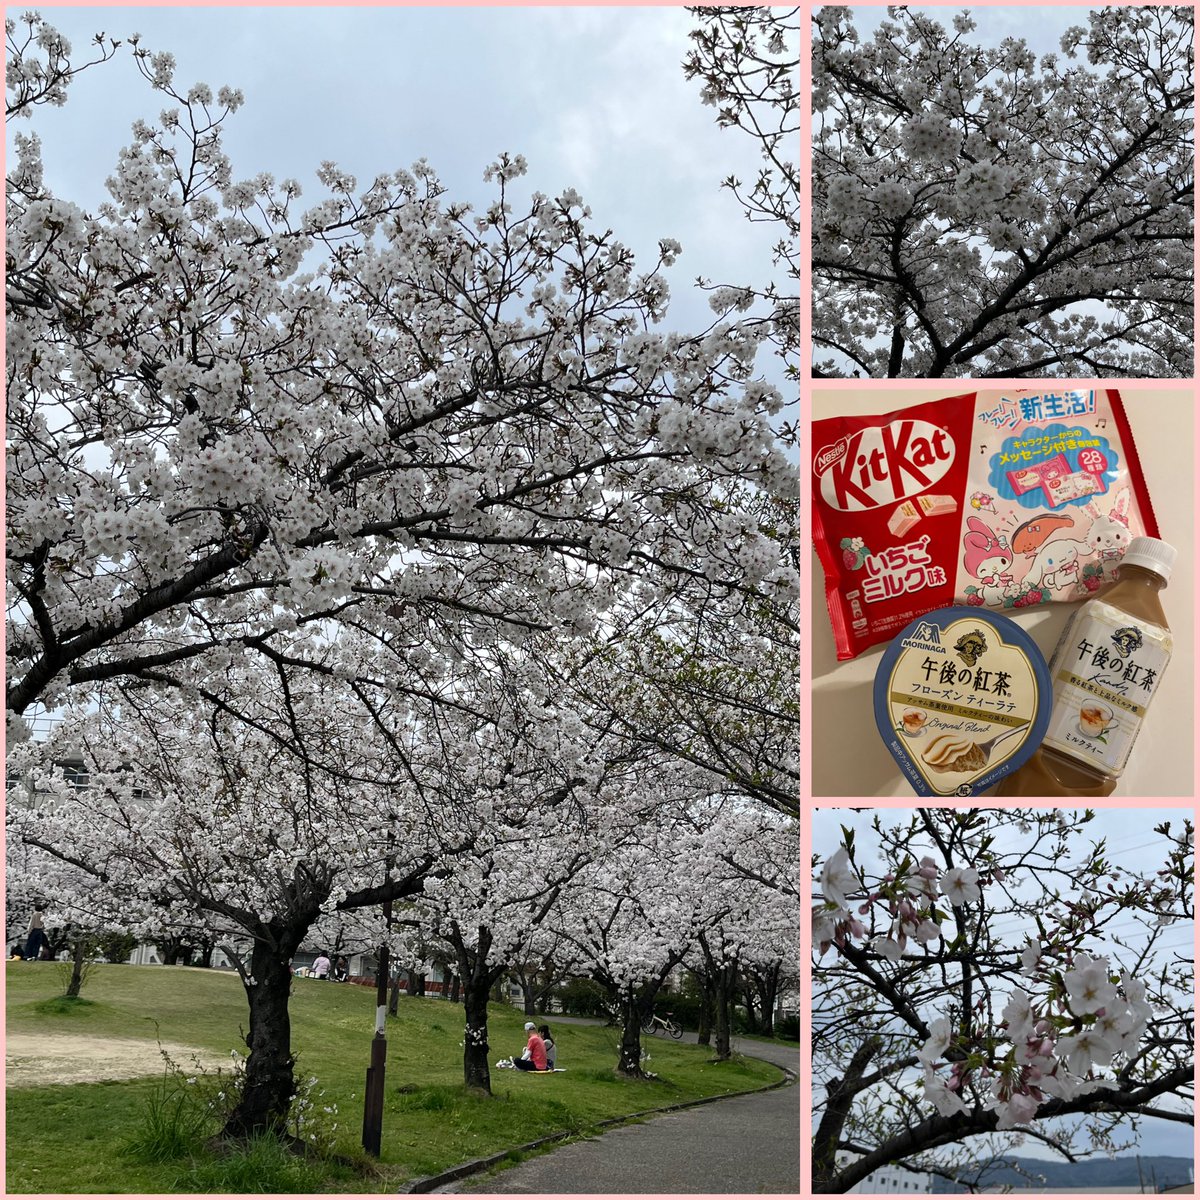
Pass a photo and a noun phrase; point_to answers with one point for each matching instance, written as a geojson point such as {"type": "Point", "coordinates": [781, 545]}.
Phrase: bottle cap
{"type": "Point", "coordinates": [1151, 553]}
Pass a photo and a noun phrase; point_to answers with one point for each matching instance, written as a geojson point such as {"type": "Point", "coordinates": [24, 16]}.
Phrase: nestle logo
{"type": "Point", "coordinates": [829, 455]}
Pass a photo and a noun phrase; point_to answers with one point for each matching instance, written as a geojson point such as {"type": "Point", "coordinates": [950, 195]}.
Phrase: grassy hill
{"type": "Point", "coordinates": [1123, 1171]}
{"type": "Point", "coordinates": [72, 1138]}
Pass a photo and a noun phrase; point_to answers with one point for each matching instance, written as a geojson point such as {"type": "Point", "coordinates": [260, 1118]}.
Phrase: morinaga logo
{"type": "Point", "coordinates": [883, 465]}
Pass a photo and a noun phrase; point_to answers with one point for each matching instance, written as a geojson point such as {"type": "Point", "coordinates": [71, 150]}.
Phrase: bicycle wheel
{"type": "Point", "coordinates": [674, 1030]}
{"type": "Point", "coordinates": [648, 1024]}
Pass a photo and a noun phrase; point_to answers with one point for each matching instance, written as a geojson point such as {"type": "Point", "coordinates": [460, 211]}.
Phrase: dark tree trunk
{"type": "Point", "coordinates": [705, 1022]}
{"type": "Point", "coordinates": [724, 998]}
{"type": "Point", "coordinates": [476, 1071]}
{"type": "Point", "coordinates": [722, 977]}
{"type": "Point", "coordinates": [766, 983]}
{"type": "Point", "coordinates": [79, 951]}
{"type": "Point", "coordinates": [455, 988]}
{"type": "Point", "coordinates": [267, 1093]}
{"type": "Point", "coordinates": [394, 997]}
{"type": "Point", "coordinates": [410, 983]}
{"type": "Point", "coordinates": [745, 990]}
{"type": "Point", "coordinates": [477, 979]}
{"type": "Point", "coordinates": [630, 1061]}
{"type": "Point", "coordinates": [527, 992]}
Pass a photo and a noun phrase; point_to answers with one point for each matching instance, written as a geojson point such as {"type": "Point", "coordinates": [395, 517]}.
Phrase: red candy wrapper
{"type": "Point", "coordinates": [1000, 499]}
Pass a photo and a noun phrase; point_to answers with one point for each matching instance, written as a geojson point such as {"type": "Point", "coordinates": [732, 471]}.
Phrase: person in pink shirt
{"type": "Point", "coordinates": [534, 1058]}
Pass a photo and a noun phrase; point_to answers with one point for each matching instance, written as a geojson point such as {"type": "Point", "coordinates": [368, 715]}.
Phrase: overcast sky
{"type": "Point", "coordinates": [594, 98]}
{"type": "Point", "coordinates": [1040, 26]}
{"type": "Point", "coordinates": [1131, 843]}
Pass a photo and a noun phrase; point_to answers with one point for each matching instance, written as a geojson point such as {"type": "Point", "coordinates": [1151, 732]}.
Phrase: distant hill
{"type": "Point", "coordinates": [1100, 1172]}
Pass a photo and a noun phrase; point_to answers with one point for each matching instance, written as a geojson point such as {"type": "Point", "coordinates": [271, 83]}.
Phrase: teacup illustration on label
{"type": "Point", "coordinates": [1095, 719]}
{"type": "Point", "coordinates": [913, 721]}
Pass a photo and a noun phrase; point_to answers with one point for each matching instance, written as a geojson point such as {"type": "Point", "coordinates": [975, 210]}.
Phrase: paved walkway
{"type": "Point", "coordinates": [747, 1144]}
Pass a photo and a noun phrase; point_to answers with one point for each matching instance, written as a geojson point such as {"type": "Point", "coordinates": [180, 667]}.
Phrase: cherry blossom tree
{"type": "Point", "coordinates": [535, 801]}
{"type": "Point", "coordinates": [980, 211]}
{"type": "Point", "coordinates": [748, 60]}
{"type": "Point", "coordinates": [750, 858]}
{"type": "Point", "coordinates": [208, 823]}
{"type": "Point", "coordinates": [688, 675]}
{"type": "Point", "coordinates": [228, 414]}
{"type": "Point", "coordinates": [1003, 973]}
{"type": "Point", "coordinates": [296, 497]}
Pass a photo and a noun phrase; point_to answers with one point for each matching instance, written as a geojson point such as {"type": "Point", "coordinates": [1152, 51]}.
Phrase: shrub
{"type": "Point", "coordinates": [583, 998]}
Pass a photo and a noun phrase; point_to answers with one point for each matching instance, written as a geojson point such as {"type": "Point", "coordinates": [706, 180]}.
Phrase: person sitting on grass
{"type": "Point", "coordinates": [548, 1042]}
{"type": "Point", "coordinates": [534, 1058]}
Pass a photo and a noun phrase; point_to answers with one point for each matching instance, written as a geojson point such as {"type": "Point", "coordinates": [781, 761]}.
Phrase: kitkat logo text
{"type": "Point", "coordinates": [883, 465]}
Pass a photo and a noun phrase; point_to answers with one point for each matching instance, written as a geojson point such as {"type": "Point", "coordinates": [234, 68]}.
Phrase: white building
{"type": "Point", "coordinates": [890, 1180]}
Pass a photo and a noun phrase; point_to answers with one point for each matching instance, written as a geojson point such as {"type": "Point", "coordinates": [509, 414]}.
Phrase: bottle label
{"type": "Point", "coordinates": [1106, 670]}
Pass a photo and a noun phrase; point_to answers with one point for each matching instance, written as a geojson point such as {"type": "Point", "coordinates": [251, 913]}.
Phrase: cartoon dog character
{"type": "Point", "coordinates": [1056, 563]}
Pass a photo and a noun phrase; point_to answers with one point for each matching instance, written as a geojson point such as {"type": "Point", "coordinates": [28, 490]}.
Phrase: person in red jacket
{"type": "Point", "coordinates": [534, 1058]}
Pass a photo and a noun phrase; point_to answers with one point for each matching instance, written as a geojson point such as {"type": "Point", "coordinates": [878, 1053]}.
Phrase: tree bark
{"type": "Point", "coordinates": [269, 1084]}
{"type": "Point", "coordinates": [705, 1022]}
{"type": "Point", "coordinates": [723, 978]}
{"type": "Point", "coordinates": [476, 1070]}
{"type": "Point", "coordinates": [477, 984]}
{"type": "Point", "coordinates": [630, 1061]}
{"type": "Point", "coordinates": [766, 984]}
{"type": "Point", "coordinates": [527, 993]}
{"type": "Point", "coordinates": [477, 976]}
{"type": "Point", "coordinates": [746, 990]}
{"type": "Point", "coordinates": [76, 982]}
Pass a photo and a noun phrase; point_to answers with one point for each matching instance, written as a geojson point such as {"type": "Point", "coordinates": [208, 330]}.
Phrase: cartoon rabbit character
{"type": "Point", "coordinates": [1108, 535]}
{"type": "Point", "coordinates": [985, 556]}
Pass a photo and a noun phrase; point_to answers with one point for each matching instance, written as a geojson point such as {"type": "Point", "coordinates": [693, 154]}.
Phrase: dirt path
{"type": "Point", "coordinates": [34, 1060]}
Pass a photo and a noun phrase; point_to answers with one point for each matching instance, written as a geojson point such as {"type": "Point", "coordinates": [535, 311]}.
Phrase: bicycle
{"type": "Point", "coordinates": [652, 1023]}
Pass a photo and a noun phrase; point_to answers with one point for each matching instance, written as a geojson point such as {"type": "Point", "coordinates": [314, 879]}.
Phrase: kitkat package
{"type": "Point", "coordinates": [998, 499]}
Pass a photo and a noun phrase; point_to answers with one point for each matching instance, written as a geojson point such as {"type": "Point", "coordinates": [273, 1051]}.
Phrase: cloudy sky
{"type": "Point", "coordinates": [594, 98]}
{"type": "Point", "coordinates": [1041, 27]}
{"type": "Point", "coordinates": [1131, 843]}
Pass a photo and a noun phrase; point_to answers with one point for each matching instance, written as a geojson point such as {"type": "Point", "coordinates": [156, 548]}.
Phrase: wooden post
{"type": "Point", "coordinates": [372, 1136]}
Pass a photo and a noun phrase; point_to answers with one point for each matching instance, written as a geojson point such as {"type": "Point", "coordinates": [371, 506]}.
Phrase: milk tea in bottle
{"type": "Point", "coordinates": [1105, 671]}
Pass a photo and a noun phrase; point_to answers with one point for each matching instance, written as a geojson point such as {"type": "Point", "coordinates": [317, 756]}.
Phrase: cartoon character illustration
{"type": "Point", "coordinates": [1029, 537]}
{"type": "Point", "coordinates": [986, 557]}
{"type": "Point", "coordinates": [1109, 536]}
{"type": "Point", "coordinates": [1056, 559]}
{"type": "Point", "coordinates": [1056, 563]}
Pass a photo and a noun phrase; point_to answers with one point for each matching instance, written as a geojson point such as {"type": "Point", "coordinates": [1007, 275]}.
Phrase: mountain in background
{"type": "Point", "coordinates": [1158, 1171]}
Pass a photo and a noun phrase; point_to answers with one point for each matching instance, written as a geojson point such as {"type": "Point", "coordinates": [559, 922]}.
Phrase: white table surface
{"type": "Point", "coordinates": [848, 755]}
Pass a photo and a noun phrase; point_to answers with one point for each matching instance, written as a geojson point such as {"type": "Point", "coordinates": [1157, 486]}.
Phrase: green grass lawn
{"type": "Point", "coordinates": [71, 1138]}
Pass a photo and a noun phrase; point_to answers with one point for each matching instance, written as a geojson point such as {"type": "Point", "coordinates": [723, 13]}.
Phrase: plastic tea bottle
{"type": "Point", "coordinates": [1105, 671]}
